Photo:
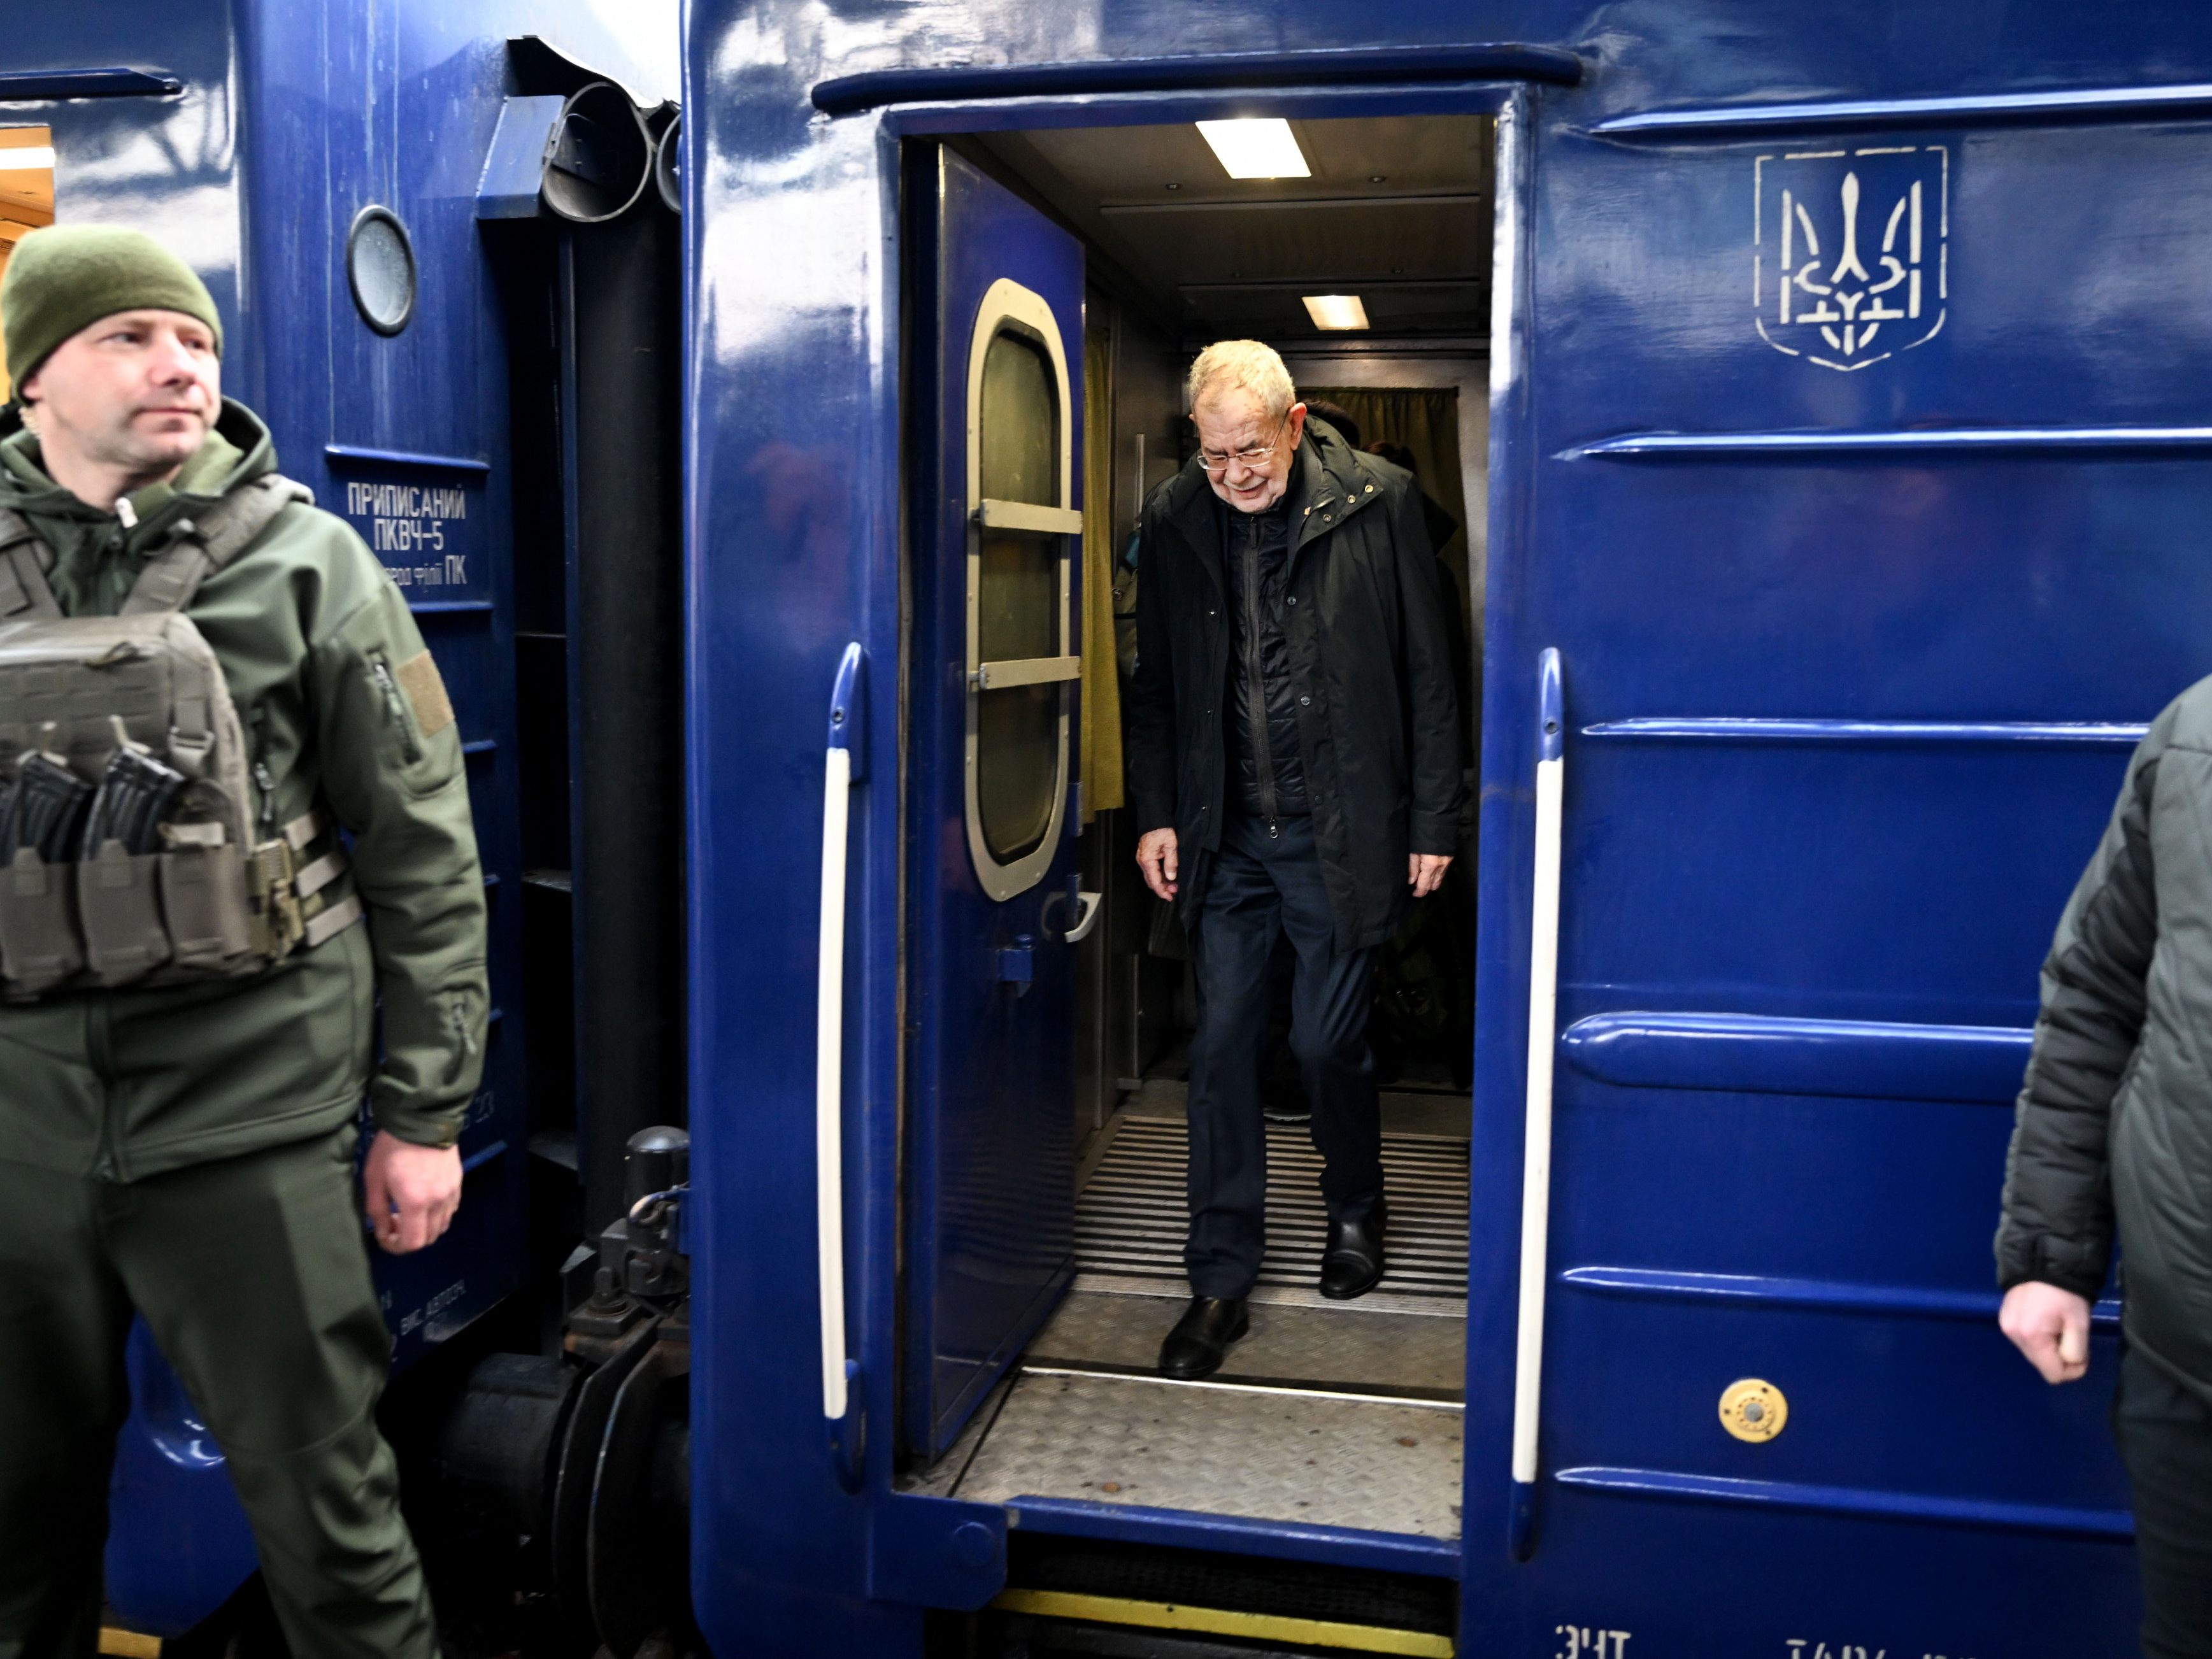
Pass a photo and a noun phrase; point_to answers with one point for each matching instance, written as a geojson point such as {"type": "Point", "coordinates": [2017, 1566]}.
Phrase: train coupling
{"type": "Point", "coordinates": [585, 1455]}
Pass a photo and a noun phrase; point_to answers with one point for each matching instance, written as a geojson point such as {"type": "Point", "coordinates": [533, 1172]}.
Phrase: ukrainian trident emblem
{"type": "Point", "coordinates": [1849, 252]}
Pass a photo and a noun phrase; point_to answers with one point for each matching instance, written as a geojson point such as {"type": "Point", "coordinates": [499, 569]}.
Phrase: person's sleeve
{"type": "Point", "coordinates": [1149, 758]}
{"type": "Point", "coordinates": [393, 773]}
{"type": "Point", "coordinates": [2056, 1225]}
{"type": "Point", "coordinates": [1425, 673]}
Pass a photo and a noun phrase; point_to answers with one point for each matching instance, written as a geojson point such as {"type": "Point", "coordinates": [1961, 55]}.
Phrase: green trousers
{"type": "Point", "coordinates": [252, 1273]}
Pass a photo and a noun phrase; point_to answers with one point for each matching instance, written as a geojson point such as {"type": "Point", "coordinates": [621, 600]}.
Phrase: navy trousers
{"type": "Point", "coordinates": [1260, 886]}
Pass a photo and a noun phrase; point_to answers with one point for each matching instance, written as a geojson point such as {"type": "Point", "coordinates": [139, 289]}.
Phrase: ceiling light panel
{"type": "Point", "coordinates": [1335, 310]}
{"type": "Point", "coordinates": [1260, 149]}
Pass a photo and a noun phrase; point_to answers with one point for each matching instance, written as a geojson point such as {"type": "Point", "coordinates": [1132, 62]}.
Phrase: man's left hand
{"type": "Point", "coordinates": [410, 1192]}
{"type": "Point", "coordinates": [1425, 872]}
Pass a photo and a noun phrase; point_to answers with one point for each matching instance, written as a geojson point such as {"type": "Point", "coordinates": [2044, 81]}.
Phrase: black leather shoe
{"type": "Point", "coordinates": [1195, 1347]}
{"type": "Point", "coordinates": [1352, 1264]}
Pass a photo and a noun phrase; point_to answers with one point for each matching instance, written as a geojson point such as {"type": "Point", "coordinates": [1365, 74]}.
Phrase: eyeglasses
{"type": "Point", "coordinates": [1250, 459]}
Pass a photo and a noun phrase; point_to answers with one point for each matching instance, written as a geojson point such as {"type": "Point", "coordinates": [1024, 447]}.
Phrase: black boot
{"type": "Point", "coordinates": [1352, 1264]}
{"type": "Point", "coordinates": [1202, 1336]}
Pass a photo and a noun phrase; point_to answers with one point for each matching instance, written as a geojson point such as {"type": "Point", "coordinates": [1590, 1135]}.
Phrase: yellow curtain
{"type": "Point", "coordinates": [1426, 420]}
{"type": "Point", "coordinates": [1101, 737]}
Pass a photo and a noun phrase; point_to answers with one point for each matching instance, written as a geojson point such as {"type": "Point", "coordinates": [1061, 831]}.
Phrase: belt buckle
{"type": "Point", "coordinates": [278, 925]}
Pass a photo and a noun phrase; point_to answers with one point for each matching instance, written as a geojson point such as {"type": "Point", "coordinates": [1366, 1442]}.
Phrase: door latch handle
{"type": "Point", "coordinates": [1086, 913]}
{"type": "Point", "coordinates": [1086, 916]}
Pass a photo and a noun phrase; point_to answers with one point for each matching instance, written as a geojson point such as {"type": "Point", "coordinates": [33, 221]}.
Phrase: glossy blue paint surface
{"type": "Point", "coordinates": [1761, 1053]}
{"type": "Point", "coordinates": [2051, 578]}
{"type": "Point", "coordinates": [991, 1153]}
{"type": "Point", "coordinates": [288, 120]}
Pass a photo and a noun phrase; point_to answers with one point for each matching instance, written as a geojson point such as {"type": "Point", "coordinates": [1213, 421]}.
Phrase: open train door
{"type": "Point", "coordinates": [1850, 476]}
{"type": "Point", "coordinates": [992, 912]}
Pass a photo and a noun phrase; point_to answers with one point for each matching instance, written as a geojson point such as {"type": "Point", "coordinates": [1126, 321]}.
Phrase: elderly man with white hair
{"type": "Point", "coordinates": [1293, 757]}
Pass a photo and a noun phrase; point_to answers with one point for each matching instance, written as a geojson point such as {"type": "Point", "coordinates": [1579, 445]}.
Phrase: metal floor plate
{"type": "Point", "coordinates": [1132, 1214]}
{"type": "Point", "coordinates": [1382, 1466]}
{"type": "Point", "coordinates": [1332, 1413]}
{"type": "Point", "coordinates": [1342, 1346]}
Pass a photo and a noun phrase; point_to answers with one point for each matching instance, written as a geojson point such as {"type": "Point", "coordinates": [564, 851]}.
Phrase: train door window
{"type": "Point", "coordinates": [26, 194]}
{"type": "Point", "coordinates": [1020, 486]}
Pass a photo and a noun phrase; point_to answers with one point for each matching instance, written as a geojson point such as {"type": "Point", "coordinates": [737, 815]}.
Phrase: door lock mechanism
{"type": "Point", "coordinates": [1017, 963]}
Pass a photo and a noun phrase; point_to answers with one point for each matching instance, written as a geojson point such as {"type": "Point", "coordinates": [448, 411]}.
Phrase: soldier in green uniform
{"type": "Point", "coordinates": [187, 1150]}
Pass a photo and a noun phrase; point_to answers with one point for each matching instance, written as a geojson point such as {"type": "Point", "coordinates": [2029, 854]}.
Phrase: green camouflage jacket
{"type": "Point", "coordinates": [125, 1084]}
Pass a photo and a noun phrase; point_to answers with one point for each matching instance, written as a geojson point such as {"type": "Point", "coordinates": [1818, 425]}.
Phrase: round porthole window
{"type": "Point", "coordinates": [381, 270]}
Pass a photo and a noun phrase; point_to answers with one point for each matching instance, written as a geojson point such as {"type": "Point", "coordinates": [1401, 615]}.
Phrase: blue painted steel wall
{"type": "Point", "coordinates": [290, 120]}
{"type": "Point", "coordinates": [1909, 881]}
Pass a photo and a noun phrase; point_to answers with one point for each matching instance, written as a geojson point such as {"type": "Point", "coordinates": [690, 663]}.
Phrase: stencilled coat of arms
{"type": "Point", "coordinates": [1850, 262]}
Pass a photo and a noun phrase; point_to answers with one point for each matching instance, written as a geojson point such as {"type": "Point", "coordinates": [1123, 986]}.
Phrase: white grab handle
{"type": "Point", "coordinates": [842, 764]}
{"type": "Point", "coordinates": [830, 1081]}
{"type": "Point", "coordinates": [1086, 916]}
{"type": "Point", "coordinates": [1536, 1134]}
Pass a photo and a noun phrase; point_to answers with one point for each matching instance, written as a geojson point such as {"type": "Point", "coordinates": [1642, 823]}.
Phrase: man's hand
{"type": "Point", "coordinates": [1156, 857]}
{"type": "Point", "coordinates": [410, 1192]}
{"type": "Point", "coordinates": [1425, 872]}
{"type": "Point", "coordinates": [2050, 1327]}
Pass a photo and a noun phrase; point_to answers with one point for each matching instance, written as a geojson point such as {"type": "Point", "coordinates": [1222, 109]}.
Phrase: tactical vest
{"type": "Point", "coordinates": [131, 853]}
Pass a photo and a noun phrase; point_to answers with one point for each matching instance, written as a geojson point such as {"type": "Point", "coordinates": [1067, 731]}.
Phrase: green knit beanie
{"type": "Point", "coordinates": [67, 277]}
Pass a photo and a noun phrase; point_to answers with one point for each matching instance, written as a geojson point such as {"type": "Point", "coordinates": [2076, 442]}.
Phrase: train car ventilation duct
{"type": "Point", "coordinates": [599, 158]}
{"type": "Point", "coordinates": [665, 164]}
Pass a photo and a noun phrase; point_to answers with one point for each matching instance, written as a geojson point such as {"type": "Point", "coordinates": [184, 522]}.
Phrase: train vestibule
{"type": "Point", "coordinates": [1057, 282]}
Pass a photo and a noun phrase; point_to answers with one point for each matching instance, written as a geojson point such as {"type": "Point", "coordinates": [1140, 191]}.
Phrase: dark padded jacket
{"type": "Point", "coordinates": [1370, 668]}
{"type": "Point", "coordinates": [1271, 772]}
{"type": "Point", "coordinates": [2114, 1125]}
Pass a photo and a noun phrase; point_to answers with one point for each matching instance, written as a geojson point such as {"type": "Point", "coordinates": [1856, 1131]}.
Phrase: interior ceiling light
{"type": "Point", "coordinates": [1259, 149]}
{"type": "Point", "coordinates": [1335, 310]}
{"type": "Point", "coordinates": [28, 158]}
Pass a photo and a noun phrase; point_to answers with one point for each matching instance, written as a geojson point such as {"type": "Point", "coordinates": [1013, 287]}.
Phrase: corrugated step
{"type": "Point", "coordinates": [1131, 1216]}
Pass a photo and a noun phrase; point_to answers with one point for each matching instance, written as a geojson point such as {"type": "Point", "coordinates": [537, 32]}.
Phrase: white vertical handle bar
{"type": "Point", "coordinates": [1536, 1135]}
{"type": "Point", "coordinates": [844, 764]}
{"type": "Point", "coordinates": [830, 1081]}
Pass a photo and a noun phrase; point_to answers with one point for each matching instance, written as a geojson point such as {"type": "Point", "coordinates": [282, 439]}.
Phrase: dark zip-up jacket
{"type": "Point", "coordinates": [310, 632]}
{"type": "Point", "coordinates": [1369, 670]}
{"type": "Point", "coordinates": [2113, 1131]}
{"type": "Point", "coordinates": [1271, 772]}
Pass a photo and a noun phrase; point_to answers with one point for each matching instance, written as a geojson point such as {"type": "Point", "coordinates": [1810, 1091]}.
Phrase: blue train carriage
{"type": "Point", "coordinates": [1825, 388]}
{"type": "Point", "coordinates": [393, 204]}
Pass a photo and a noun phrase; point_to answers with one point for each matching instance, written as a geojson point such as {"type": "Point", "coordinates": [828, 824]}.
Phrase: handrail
{"type": "Point", "coordinates": [1536, 1137]}
{"type": "Point", "coordinates": [845, 763]}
